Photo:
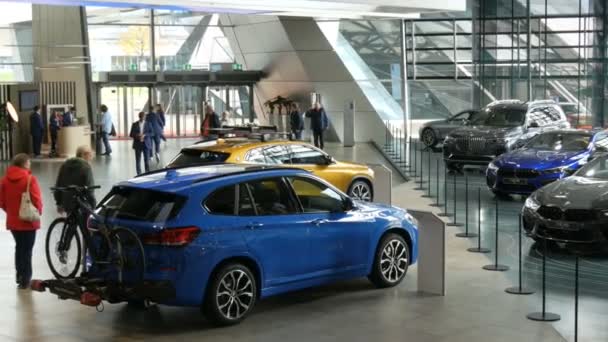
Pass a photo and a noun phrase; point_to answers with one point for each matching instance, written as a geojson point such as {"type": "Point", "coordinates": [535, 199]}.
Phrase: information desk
{"type": "Point", "coordinates": [70, 138]}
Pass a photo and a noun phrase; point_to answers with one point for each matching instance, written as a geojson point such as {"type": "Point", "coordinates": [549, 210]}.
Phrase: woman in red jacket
{"type": "Point", "coordinates": [12, 186]}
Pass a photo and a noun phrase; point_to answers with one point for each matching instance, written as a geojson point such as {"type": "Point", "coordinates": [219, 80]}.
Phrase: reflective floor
{"type": "Point", "coordinates": [560, 283]}
{"type": "Point", "coordinates": [475, 308]}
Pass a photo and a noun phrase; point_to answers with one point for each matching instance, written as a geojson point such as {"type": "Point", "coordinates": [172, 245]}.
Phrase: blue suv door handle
{"type": "Point", "coordinates": [255, 225]}
{"type": "Point", "coordinates": [319, 222]}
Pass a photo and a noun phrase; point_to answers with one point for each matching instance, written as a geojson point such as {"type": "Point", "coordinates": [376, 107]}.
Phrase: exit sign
{"type": "Point", "coordinates": [237, 67]}
{"type": "Point", "coordinates": [133, 67]}
{"type": "Point", "coordinates": [187, 66]}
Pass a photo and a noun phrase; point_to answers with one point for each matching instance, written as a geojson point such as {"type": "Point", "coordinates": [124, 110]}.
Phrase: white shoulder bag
{"type": "Point", "coordinates": [27, 210]}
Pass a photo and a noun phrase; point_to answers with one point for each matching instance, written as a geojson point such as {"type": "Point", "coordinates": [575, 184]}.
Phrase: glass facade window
{"type": "Point", "coordinates": [119, 48]}
{"type": "Point", "coordinates": [189, 42]}
{"type": "Point", "coordinates": [16, 49]}
{"type": "Point", "coordinates": [154, 40]}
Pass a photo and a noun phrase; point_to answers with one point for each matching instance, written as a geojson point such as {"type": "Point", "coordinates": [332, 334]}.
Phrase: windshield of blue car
{"type": "Point", "coordinates": [560, 142]}
{"type": "Point", "coordinates": [501, 116]}
{"type": "Point", "coordinates": [188, 157]}
{"type": "Point", "coordinates": [597, 168]}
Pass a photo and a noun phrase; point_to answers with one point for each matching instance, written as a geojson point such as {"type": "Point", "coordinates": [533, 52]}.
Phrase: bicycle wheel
{"type": "Point", "coordinates": [63, 249]}
{"type": "Point", "coordinates": [129, 256]}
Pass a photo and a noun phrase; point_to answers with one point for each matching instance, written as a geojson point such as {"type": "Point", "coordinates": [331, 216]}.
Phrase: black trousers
{"type": "Point", "coordinates": [36, 144]}
{"type": "Point", "coordinates": [318, 138]}
{"type": "Point", "coordinates": [141, 153]}
{"type": "Point", "coordinates": [24, 243]}
{"type": "Point", "coordinates": [53, 141]}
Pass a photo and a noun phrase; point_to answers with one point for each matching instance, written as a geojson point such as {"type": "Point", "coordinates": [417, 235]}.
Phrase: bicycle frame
{"type": "Point", "coordinates": [77, 220]}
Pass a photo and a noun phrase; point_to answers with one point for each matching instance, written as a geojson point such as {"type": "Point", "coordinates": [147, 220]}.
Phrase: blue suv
{"type": "Point", "coordinates": [224, 236]}
{"type": "Point", "coordinates": [544, 159]}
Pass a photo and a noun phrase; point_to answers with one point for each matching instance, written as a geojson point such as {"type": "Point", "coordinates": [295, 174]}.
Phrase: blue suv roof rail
{"type": "Point", "coordinates": [541, 102]}
{"type": "Point", "coordinates": [508, 101]}
{"type": "Point", "coordinates": [174, 168]}
{"type": "Point", "coordinates": [251, 169]}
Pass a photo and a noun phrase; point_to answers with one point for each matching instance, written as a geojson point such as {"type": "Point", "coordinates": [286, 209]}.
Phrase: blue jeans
{"type": "Point", "coordinates": [24, 243]}
{"type": "Point", "coordinates": [297, 134]}
{"type": "Point", "coordinates": [106, 142]}
{"type": "Point", "coordinates": [139, 154]}
{"type": "Point", "coordinates": [156, 143]}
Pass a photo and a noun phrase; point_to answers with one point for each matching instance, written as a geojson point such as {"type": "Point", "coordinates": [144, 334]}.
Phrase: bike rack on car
{"type": "Point", "coordinates": [92, 291]}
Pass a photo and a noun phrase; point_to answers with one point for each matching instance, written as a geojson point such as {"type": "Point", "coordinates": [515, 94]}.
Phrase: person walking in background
{"type": "Point", "coordinates": [17, 181]}
{"type": "Point", "coordinates": [106, 129]}
{"type": "Point", "coordinates": [69, 117]}
{"type": "Point", "coordinates": [140, 133]}
{"type": "Point", "coordinates": [318, 123]}
{"type": "Point", "coordinates": [36, 131]}
{"type": "Point", "coordinates": [210, 123]}
{"type": "Point", "coordinates": [153, 119]}
{"type": "Point", "coordinates": [296, 121]}
{"type": "Point", "coordinates": [161, 116]}
{"type": "Point", "coordinates": [54, 129]}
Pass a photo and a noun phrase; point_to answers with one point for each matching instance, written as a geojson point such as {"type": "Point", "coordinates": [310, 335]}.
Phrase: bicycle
{"type": "Point", "coordinates": [117, 251]}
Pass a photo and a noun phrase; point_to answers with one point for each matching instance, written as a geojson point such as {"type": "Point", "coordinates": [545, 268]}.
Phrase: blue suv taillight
{"type": "Point", "coordinates": [174, 237]}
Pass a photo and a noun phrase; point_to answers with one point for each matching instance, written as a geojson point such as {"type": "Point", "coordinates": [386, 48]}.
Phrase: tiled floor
{"type": "Point", "coordinates": [475, 308]}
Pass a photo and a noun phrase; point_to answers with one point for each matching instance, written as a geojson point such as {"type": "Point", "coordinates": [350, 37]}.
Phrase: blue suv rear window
{"type": "Point", "coordinates": [141, 204]}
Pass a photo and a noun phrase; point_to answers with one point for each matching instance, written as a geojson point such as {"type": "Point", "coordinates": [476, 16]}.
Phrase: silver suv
{"type": "Point", "coordinates": [500, 127]}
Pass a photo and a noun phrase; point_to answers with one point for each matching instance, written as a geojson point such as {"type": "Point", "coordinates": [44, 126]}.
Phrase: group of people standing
{"type": "Point", "coordinates": [318, 122]}
{"type": "Point", "coordinates": [56, 122]}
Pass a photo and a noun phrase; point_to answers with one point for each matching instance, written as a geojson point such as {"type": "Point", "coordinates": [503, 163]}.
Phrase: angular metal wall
{"type": "Point", "coordinates": [299, 60]}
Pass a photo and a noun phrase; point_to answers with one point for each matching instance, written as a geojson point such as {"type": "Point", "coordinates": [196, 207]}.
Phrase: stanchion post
{"type": "Point", "coordinates": [437, 203]}
{"type": "Point", "coordinates": [519, 289]}
{"type": "Point", "coordinates": [454, 222]}
{"type": "Point", "coordinates": [409, 157]}
{"type": "Point", "coordinates": [421, 181]}
{"type": "Point", "coordinates": [496, 266]}
{"type": "Point", "coordinates": [415, 159]}
{"type": "Point", "coordinates": [478, 249]}
{"type": "Point", "coordinates": [428, 175]}
{"type": "Point", "coordinates": [466, 233]}
{"type": "Point", "coordinates": [445, 213]}
{"type": "Point", "coordinates": [544, 316]}
{"type": "Point", "coordinates": [385, 133]}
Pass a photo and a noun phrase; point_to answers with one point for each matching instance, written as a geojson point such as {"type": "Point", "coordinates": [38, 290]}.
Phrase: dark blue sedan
{"type": "Point", "coordinates": [544, 159]}
{"type": "Point", "coordinates": [221, 237]}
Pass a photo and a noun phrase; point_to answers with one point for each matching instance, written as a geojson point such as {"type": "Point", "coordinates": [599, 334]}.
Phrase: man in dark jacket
{"type": "Point", "coordinates": [75, 171]}
{"type": "Point", "coordinates": [141, 133]}
{"type": "Point", "coordinates": [210, 123]}
{"type": "Point", "coordinates": [69, 117]}
{"type": "Point", "coordinates": [296, 121]}
{"type": "Point", "coordinates": [36, 131]}
{"type": "Point", "coordinates": [318, 123]}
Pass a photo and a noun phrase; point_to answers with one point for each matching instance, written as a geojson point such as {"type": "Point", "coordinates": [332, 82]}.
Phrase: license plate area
{"type": "Point", "coordinates": [515, 181]}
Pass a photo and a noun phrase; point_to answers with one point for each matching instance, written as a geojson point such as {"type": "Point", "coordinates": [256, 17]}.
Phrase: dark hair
{"type": "Point", "coordinates": [72, 108]}
{"type": "Point", "coordinates": [20, 160]}
{"type": "Point", "coordinates": [36, 108]}
{"type": "Point", "coordinates": [295, 105]}
{"type": "Point", "coordinates": [160, 107]}
{"type": "Point", "coordinates": [103, 108]}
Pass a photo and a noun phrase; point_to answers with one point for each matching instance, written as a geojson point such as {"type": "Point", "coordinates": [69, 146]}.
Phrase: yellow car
{"type": "Point", "coordinates": [356, 180]}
